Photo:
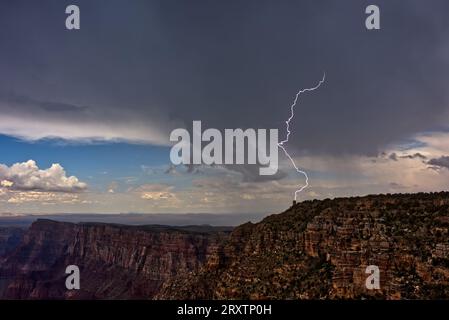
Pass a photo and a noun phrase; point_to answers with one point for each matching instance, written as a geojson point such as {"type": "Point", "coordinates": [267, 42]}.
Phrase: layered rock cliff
{"type": "Point", "coordinates": [9, 238]}
{"type": "Point", "coordinates": [313, 250]}
{"type": "Point", "coordinates": [115, 262]}
{"type": "Point", "coordinates": [320, 249]}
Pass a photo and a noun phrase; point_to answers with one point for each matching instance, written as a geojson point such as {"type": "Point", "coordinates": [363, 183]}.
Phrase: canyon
{"type": "Point", "coordinates": [10, 237]}
{"type": "Point", "coordinates": [313, 250]}
{"type": "Point", "coordinates": [116, 261]}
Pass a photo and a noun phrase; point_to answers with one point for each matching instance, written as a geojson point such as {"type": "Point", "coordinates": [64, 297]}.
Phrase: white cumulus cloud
{"type": "Point", "coordinates": [28, 176]}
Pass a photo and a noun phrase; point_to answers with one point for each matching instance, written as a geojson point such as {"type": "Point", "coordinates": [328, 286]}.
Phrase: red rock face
{"type": "Point", "coordinates": [9, 238]}
{"type": "Point", "coordinates": [314, 250]}
{"type": "Point", "coordinates": [320, 249]}
{"type": "Point", "coordinates": [116, 262]}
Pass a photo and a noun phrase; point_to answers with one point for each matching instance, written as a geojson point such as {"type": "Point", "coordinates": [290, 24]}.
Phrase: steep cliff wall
{"type": "Point", "coordinates": [320, 249]}
{"type": "Point", "coordinates": [9, 238]}
{"type": "Point", "coordinates": [117, 262]}
{"type": "Point", "coordinates": [314, 250]}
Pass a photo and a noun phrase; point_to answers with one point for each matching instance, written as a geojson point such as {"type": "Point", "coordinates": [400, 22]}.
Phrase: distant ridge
{"type": "Point", "coordinates": [231, 219]}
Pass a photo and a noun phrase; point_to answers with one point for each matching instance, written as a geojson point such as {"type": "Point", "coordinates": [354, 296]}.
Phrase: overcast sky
{"type": "Point", "coordinates": [100, 102]}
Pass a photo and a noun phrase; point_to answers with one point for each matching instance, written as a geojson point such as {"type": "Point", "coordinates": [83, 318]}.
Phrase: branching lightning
{"type": "Point", "coordinates": [292, 115]}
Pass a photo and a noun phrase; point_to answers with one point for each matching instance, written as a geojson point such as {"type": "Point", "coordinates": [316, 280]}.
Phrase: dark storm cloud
{"type": "Point", "coordinates": [393, 156]}
{"type": "Point", "coordinates": [250, 173]}
{"type": "Point", "coordinates": [235, 64]}
{"type": "Point", "coordinates": [442, 162]}
{"type": "Point", "coordinates": [18, 101]}
{"type": "Point", "coordinates": [416, 155]}
{"type": "Point", "coordinates": [33, 119]}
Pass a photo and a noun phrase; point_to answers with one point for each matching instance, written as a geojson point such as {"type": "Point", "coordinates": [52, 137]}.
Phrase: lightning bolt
{"type": "Point", "coordinates": [292, 115]}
